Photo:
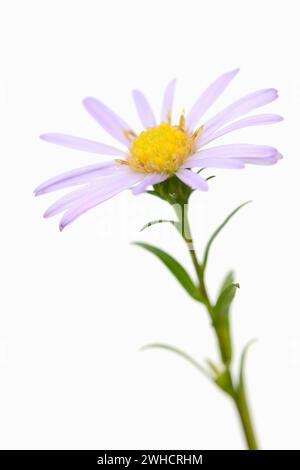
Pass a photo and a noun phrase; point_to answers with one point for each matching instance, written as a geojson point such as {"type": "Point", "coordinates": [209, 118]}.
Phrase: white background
{"type": "Point", "coordinates": [76, 306]}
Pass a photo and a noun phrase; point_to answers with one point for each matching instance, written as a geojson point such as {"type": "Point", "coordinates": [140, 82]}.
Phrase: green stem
{"type": "Point", "coordinates": [246, 422]}
{"type": "Point", "coordinates": [237, 393]}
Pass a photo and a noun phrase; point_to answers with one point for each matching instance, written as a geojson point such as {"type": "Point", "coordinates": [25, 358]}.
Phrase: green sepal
{"type": "Point", "coordinates": [172, 190]}
{"type": "Point", "coordinates": [176, 269]}
{"type": "Point", "coordinates": [152, 192]}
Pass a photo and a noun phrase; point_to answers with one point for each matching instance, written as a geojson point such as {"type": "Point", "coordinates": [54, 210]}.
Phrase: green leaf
{"type": "Point", "coordinates": [241, 385]}
{"type": "Point", "coordinates": [216, 233]}
{"type": "Point", "coordinates": [160, 221]}
{"type": "Point", "coordinates": [221, 377]}
{"type": "Point", "coordinates": [224, 382]}
{"type": "Point", "coordinates": [225, 300]}
{"type": "Point", "coordinates": [213, 367]}
{"type": "Point", "coordinates": [221, 318]}
{"type": "Point", "coordinates": [227, 281]}
{"type": "Point", "coordinates": [181, 353]}
{"type": "Point", "coordinates": [176, 269]}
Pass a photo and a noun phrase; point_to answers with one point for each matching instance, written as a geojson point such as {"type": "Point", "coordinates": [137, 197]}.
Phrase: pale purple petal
{"type": "Point", "coordinates": [149, 180]}
{"type": "Point", "coordinates": [257, 120]}
{"type": "Point", "coordinates": [208, 97]}
{"type": "Point", "coordinates": [95, 198]}
{"type": "Point", "coordinates": [214, 162]}
{"type": "Point", "coordinates": [81, 144]}
{"type": "Point", "coordinates": [105, 184]}
{"type": "Point", "coordinates": [69, 199]}
{"type": "Point", "coordinates": [236, 151]}
{"type": "Point", "coordinates": [193, 180]}
{"type": "Point", "coordinates": [144, 110]}
{"type": "Point", "coordinates": [167, 104]}
{"type": "Point", "coordinates": [271, 160]}
{"type": "Point", "coordinates": [110, 121]}
{"type": "Point", "coordinates": [240, 107]}
{"type": "Point", "coordinates": [81, 175]}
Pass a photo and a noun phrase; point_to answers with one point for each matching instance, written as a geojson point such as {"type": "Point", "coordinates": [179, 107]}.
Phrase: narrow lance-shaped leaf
{"type": "Point", "coordinates": [221, 318]}
{"type": "Point", "coordinates": [241, 385]}
{"type": "Point", "coordinates": [159, 221]}
{"type": "Point", "coordinates": [221, 377]}
{"type": "Point", "coordinates": [176, 269]}
{"type": "Point", "coordinates": [218, 377]}
{"type": "Point", "coordinates": [224, 301]}
{"type": "Point", "coordinates": [224, 382]}
{"type": "Point", "coordinates": [242, 402]}
{"type": "Point", "coordinates": [213, 367]}
{"type": "Point", "coordinates": [227, 281]}
{"type": "Point", "coordinates": [181, 353]}
{"type": "Point", "coordinates": [216, 232]}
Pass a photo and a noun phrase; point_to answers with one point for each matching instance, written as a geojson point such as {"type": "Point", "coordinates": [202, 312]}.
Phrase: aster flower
{"type": "Point", "coordinates": [163, 149]}
{"type": "Point", "coordinates": [169, 157]}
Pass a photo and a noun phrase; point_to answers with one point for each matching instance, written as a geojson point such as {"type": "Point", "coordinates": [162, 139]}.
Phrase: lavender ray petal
{"type": "Point", "coordinates": [81, 175]}
{"type": "Point", "coordinates": [271, 160]}
{"type": "Point", "coordinates": [235, 151]}
{"type": "Point", "coordinates": [68, 200]}
{"type": "Point", "coordinates": [144, 110]}
{"type": "Point", "coordinates": [110, 121]}
{"type": "Point", "coordinates": [167, 104]}
{"type": "Point", "coordinates": [208, 97]}
{"type": "Point", "coordinates": [149, 180]}
{"type": "Point", "coordinates": [95, 198]}
{"type": "Point", "coordinates": [240, 107]}
{"type": "Point", "coordinates": [257, 120]}
{"type": "Point", "coordinates": [79, 143]}
{"type": "Point", "coordinates": [193, 180]}
{"type": "Point", "coordinates": [214, 162]}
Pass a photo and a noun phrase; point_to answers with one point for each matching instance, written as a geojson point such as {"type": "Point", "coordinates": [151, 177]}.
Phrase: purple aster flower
{"type": "Point", "coordinates": [161, 150]}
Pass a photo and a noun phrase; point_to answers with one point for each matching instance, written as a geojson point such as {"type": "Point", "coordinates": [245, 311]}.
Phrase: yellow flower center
{"type": "Point", "coordinates": [162, 148]}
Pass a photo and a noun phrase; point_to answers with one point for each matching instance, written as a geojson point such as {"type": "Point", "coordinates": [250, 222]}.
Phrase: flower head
{"type": "Point", "coordinates": [162, 150]}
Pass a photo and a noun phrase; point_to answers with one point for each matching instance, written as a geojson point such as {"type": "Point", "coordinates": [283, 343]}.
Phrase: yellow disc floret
{"type": "Point", "coordinates": [162, 148]}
